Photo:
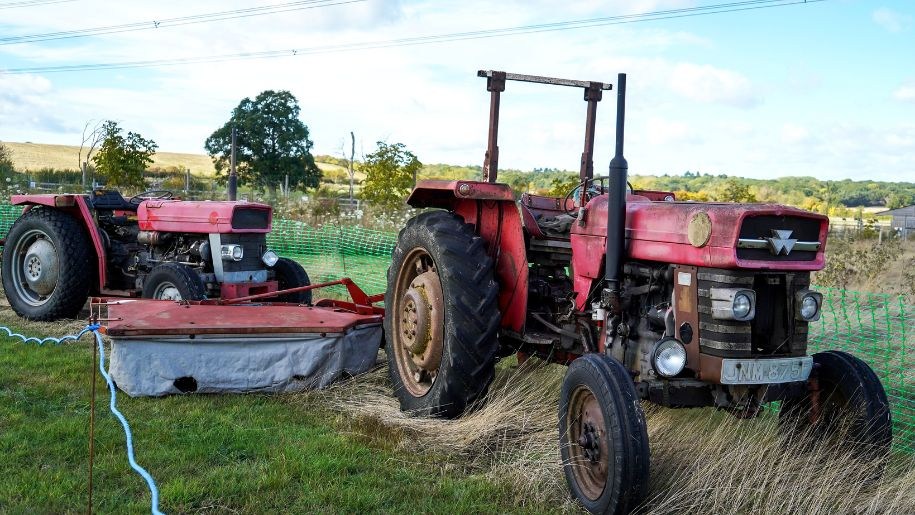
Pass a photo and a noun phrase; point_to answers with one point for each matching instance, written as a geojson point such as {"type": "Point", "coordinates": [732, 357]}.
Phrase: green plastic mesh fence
{"type": "Point", "coordinates": [879, 328]}
{"type": "Point", "coordinates": [332, 252]}
{"type": "Point", "coordinates": [8, 214]}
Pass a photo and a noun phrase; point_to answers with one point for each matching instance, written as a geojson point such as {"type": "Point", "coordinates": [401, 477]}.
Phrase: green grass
{"type": "Point", "coordinates": [242, 453]}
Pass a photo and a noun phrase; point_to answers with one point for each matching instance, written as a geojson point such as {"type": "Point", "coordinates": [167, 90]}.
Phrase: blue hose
{"type": "Point", "coordinates": [93, 328]}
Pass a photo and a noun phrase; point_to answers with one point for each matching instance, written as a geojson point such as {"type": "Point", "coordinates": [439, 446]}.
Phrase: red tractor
{"type": "Point", "coordinates": [67, 247]}
{"type": "Point", "coordinates": [682, 304]}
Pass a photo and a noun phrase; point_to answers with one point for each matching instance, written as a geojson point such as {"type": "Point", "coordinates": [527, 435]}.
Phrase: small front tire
{"type": "Point", "coordinates": [848, 400]}
{"type": "Point", "coordinates": [173, 281]}
{"type": "Point", "coordinates": [603, 436]}
{"type": "Point", "coordinates": [290, 274]}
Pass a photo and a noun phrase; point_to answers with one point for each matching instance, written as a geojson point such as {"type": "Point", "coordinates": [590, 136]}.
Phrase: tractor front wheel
{"type": "Point", "coordinates": [603, 438]}
{"type": "Point", "coordinates": [441, 323]}
{"type": "Point", "coordinates": [846, 399]}
{"type": "Point", "coordinates": [173, 281]}
{"type": "Point", "coordinates": [290, 274]}
{"type": "Point", "coordinates": [47, 265]}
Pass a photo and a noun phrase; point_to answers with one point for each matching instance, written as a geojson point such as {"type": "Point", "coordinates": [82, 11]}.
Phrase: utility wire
{"type": "Point", "coordinates": [31, 3]}
{"type": "Point", "coordinates": [747, 5]}
{"type": "Point", "coordinates": [174, 22]}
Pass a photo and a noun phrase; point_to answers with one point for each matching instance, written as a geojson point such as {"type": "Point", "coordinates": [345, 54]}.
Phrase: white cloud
{"type": "Point", "coordinates": [905, 92]}
{"type": "Point", "coordinates": [793, 133]}
{"type": "Point", "coordinates": [891, 20]}
{"type": "Point", "coordinates": [711, 85]}
{"type": "Point", "coordinates": [662, 131]}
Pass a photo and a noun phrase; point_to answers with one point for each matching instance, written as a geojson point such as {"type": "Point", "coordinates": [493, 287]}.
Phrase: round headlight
{"type": "Point", "coordinates": [809, 307]}
{"type": "Point", "coordinates": [669, 358]}
{"type": "Point", "coordinates": [742, 306]}
{"type": "Point", "coordinates": [238, 252]}
{"type": "Point", "coordinates": [270, 258]}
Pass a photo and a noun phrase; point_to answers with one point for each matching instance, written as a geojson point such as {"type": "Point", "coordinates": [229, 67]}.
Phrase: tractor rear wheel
{"type": "Point", "coordinates": [173, 281]}
{"type": "Point", "coordinates": [290, 274]}
{"type": "Point", "coordinates": [603, 438]}
{"type": "Point", "coordinates": [47, 265]}
{"type": "Point", "coordinates": [846, 400]}
{"type": "Point", "coordinates": [442, 317]}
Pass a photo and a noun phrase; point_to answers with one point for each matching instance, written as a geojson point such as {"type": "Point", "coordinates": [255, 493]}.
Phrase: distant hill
{"type": "Point", "coordinates": [35, 156]}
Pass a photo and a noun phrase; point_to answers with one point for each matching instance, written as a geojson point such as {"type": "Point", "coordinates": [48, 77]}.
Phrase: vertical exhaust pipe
{"type": "Point", "coordinates": [616, 205]}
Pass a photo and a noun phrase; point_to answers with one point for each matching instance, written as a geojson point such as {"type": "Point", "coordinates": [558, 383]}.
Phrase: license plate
{"type": "Point", "coordinates": [765, 371]}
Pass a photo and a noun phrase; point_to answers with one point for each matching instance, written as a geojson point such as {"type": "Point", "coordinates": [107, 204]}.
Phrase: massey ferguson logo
{"type": "Point", "coordinates": [781, 242]}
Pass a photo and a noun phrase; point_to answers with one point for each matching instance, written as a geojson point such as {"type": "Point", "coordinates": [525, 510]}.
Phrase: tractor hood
{"type": "Point", "coordinates": [719, 235]}
{"type": "Point", "coordinates": [204, 216]}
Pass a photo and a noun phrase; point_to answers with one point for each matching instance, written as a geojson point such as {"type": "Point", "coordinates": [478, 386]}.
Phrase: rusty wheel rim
{"type": "Point", "coordinates": [589, 454]}
{"type": "Point", "coordinates": [418, 322]}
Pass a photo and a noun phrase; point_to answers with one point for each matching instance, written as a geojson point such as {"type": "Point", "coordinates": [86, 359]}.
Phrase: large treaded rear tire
{"type": "Point", "coordinates": [613, 479]}
{"type": "Point", "coordinates": [469, 301]}
{"type": "Point", "coordinates": [853, 404]}
{"type": "Point", "coordinates": [74, 261]}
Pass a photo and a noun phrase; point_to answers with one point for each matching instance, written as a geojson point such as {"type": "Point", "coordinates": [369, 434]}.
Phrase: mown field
{"type": "Point", "coordinates": [350, 449]}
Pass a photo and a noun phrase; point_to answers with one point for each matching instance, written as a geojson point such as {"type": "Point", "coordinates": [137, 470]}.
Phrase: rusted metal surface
{"type": "Point", "coordinates": [710, 368]}
{"type": "Point", "coordinates": [495, 84]}
{"type": "Point", "coordinates": [236, 290]}
{"type": "Point", "coordinates": [418, 322]}
{"type": "Point", "coordinates": [686, 313]}
{"type": "Point", "coordinates": [444, 194]}
{"type": "Point", "coordinates": [149, 317]}
{"type": "Point", "coordinates": [593, 94]}
{"type": "Point", "coordinates": [555, 81]}
{"type": "Point", "coordinates": [588, 450]}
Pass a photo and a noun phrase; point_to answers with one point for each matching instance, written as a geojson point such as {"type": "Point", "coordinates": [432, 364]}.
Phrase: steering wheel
{"type": "Point", "coordinates": [150, 195]}
{"type": "Point", "coordinates": [595, 187]}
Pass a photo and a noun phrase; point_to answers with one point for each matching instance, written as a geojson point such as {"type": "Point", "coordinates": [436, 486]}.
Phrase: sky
{"type": "Point", "coordinates": [823, 89]}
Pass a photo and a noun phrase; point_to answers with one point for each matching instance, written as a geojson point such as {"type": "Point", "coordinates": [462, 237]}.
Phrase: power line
{"type": "Point", "coordinates": [173, 22]}
{"type": "Point", "coordinates": [746, 5]}
{"type": "Point", "coordinates": [31, 3]}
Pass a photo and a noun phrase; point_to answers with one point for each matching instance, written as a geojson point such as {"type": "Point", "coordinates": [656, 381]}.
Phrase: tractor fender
{"type": "Point", "coordinates": [75, 205]}
{"type": "Point", "coordinates": [491, 209]}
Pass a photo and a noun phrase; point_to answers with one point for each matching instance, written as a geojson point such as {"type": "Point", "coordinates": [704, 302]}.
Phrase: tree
{"type": "Point", "coordinates": [6, 161]}
{"type": "Point", "coordinates": [90, 142]}
{"type": "Point", "coordinates": [122, 160]}
{"type": "Point", "coordinates": [735, 191]}
{"type": "Point", "coordinates": [272, 143]}
{"type": "Point", "coordinates": [390, 173]}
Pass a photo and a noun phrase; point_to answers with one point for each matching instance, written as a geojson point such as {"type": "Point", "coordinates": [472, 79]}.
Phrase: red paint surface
{"type": "Point", "coordinates": [657, 231]}
{"type": "Point", "coordinates": [189, 216]}
{"type": "Point", "coordinates": [499, 223]}
{"type": "Point", "coordinates": [161, 317]}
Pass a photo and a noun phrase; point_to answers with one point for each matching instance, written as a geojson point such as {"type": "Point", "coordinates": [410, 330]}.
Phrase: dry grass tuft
{"type": "Point", "coordinates": [702, 460]}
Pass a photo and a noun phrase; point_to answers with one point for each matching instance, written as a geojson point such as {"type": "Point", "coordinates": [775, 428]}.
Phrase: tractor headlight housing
{"type": "Point", "coordinates": [733, 304]}
{"type": "Point", "coordinates": [270, 258]}
{"type": "Point", "coordinates": [669, 357]}
{"type": "Point", "coordinates": [807, 305]}
{"type": "Point", "coordinates": [232, 252]}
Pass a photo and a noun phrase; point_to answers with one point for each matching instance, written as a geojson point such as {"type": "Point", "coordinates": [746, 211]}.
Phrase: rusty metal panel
{"type": "Point", "coordinates": [686, 313]}
{"type": "Point", "coordinates": [161, 318]}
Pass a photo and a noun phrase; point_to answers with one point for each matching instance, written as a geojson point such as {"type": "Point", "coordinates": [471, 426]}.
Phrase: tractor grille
{"type": "Point", "coordinates": [250, 218]}
{"type": "Point", "coordinates": [761, 227]}
{"type": "Point", "coordinates": [773, 330]}
{"type": "Point", "coordinates": [255, 244]}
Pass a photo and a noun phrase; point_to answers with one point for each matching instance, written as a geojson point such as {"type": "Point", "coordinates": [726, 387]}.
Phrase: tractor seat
{"type": "Point", "coordinates": [544, 217]}
{"type": "Point", "coordinates": [110, 200]}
